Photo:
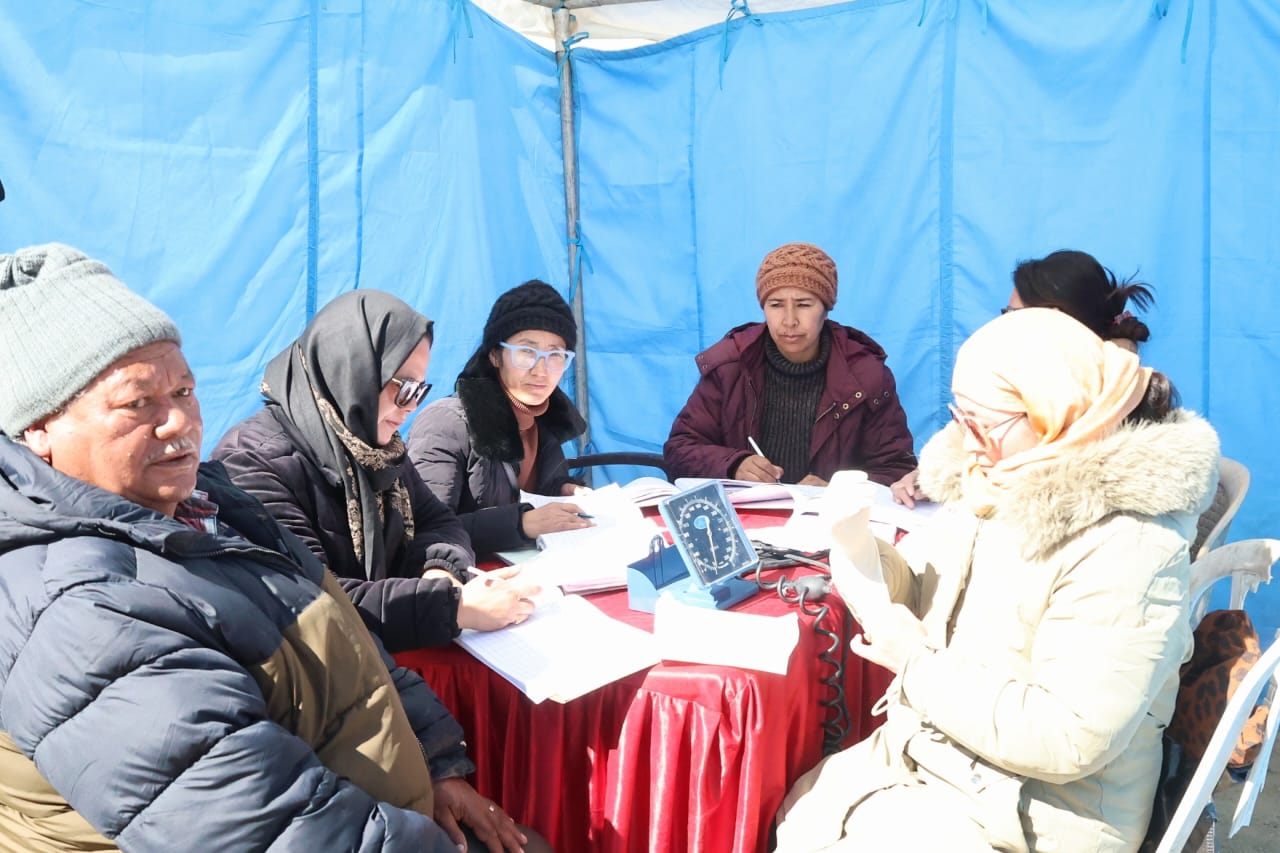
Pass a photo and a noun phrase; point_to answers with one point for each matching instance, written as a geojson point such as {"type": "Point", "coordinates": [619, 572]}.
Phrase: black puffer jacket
{"type": "Point", "coordinates": [404, 609]}
{"type": "Point", "coordinates": [467, 450]}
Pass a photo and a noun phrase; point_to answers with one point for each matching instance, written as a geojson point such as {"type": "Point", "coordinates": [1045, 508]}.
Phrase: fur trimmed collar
{"type": "Point", "coordinates": [492, 425]}
{"type": "Point", "coordinates": [1149, 469]}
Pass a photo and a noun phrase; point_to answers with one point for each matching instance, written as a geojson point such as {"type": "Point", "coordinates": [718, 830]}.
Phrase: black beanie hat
{"type": "Point", "coordinates": [533, 305]}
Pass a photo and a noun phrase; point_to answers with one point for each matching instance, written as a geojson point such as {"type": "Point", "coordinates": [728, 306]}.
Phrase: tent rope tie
{"type": "Point", "coordinates": [458, 10]}
{"type": "Point", "coordinates": [736, 7]}
{"type": "Point", "coordinates": [1160, 9]}
{"type": "Point", "coordinates": [1186, 29]}
{"type": "Point", "coordinates": [568, 48]}
{"type": "Point", "coordinates": [580, 259]}
{"type": "Point", "coordinates": [952, 9]}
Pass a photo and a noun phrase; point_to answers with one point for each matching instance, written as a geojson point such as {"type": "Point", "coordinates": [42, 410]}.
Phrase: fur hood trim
{"type": "Point", "coordinates": [492, 425]}
{"type": "Point", "coordinates": [1149, 469]}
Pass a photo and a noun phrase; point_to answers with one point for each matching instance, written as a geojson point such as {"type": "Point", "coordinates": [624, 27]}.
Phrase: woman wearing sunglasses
{"type": "Point", "coordinates": [502, 432]}
{"type": "Point", "coordinates": [325, 457]}
{"type": "Point", "coordinates": [1038, 627]}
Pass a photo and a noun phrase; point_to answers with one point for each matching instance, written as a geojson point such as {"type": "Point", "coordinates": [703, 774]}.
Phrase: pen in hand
{"type": "Point", "coordinates": [756, 449]}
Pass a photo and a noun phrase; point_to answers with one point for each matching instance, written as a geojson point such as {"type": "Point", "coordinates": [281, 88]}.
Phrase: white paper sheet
{"type": "Point", "coordinates": [566, 649]}
{"type": "Point", "coordinates": [723, 637]}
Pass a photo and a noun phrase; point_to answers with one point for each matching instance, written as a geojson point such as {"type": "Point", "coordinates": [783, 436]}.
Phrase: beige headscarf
{"type": "Point", "coordinates": [1075, 388]}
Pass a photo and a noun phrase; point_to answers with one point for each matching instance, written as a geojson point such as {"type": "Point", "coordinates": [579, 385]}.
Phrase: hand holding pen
{"type": "Point", "coordinates": [552, 518]}
{"type": "Point", "coordinates": [758, 468]}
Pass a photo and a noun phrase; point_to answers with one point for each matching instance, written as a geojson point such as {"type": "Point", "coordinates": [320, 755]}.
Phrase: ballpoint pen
{"type": "Point", "coordinates": [755, 447]}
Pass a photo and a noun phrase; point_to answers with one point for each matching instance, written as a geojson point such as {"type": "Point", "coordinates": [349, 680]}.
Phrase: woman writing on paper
{"type": "Point", "coordinates": [1076, 284]}
{"type": "Point", "coordinates": [502, 432]}
{"type": "Point", "coordinates": [795, 398]}
{"type": "Point", "coordinates": [1038, 636]}
{"type": "Point", "coordinates": [325, 457]}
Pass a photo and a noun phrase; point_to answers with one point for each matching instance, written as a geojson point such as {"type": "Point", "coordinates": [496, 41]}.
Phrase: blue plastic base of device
{"type": "Point", "coordinates": [663, 570]}
{"type": "Point", "coordinates": [721, 595]}
{"type": "Point", "coordinates": [647, 577]}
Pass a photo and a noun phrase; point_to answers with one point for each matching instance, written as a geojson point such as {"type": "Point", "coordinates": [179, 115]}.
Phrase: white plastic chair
{"type": "Point", "coordinates": [1200, 789]}
{"type": "Point", "coordinates": [1247, 562]}
{"type": "Point", "coordinates": [1234, 478]}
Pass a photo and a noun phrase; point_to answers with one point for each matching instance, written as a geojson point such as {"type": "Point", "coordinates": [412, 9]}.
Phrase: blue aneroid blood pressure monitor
{"type": "Point", "coordinates": [712, 543]}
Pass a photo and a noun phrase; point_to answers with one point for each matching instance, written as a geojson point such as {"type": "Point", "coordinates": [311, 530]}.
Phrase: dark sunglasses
{"type": "Point", "coordinates": [409, 392]}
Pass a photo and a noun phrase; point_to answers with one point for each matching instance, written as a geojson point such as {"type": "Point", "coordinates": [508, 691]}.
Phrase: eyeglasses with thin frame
{"type": "Point", "coordinates": [980, 433]}
{"type": "Point", "coordinates": [410, 392]}
{"type": "Point", "coordinates": [526, 358]}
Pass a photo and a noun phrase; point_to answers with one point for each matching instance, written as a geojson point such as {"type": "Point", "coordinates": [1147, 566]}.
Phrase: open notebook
{"type": "Point", "coordinates": [566, 649]}
{"type": "Point", "coordinates": [592, 558]}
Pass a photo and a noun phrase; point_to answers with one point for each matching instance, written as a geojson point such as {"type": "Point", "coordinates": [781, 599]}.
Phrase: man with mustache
{"type": "Point", "coordinates": [177, 672]}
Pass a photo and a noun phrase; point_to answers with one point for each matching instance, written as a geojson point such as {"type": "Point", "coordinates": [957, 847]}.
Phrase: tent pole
{"type": "Point", "coordinates": [562, 17]}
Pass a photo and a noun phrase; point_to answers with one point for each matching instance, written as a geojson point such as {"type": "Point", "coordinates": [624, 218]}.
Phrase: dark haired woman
{"type": "Point", "coordinates": [1077, 285]}
{"type": "Point", "coordinates": [502, 432]}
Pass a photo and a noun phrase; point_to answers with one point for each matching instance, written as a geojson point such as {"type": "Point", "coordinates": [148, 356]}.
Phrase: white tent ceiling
{"type": "Point", "coordinates": [622, 24]}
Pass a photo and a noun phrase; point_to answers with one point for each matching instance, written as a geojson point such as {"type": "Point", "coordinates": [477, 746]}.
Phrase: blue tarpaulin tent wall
{"type": "Point", "coordinates": [242, 163]}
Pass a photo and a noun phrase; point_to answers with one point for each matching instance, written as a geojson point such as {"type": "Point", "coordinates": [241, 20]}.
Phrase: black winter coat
{"type": "Point", "coordinates": [467, 450]}
{"type": "Point", "coordinates": [404, 609]}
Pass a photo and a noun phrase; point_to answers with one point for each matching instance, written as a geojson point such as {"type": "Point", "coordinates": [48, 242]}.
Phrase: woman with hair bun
{"type": "Point", "coordinates": [1077, 285]}
{"type": "Point", "coordinates": [1074, 283]}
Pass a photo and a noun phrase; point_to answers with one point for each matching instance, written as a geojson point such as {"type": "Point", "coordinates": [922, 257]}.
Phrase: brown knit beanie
{"type": "Point", "coordinates": [798, 265]}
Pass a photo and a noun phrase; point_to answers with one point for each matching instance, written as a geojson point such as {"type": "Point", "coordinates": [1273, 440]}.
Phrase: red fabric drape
{"type": "Point", "coordinates": [683, 757]}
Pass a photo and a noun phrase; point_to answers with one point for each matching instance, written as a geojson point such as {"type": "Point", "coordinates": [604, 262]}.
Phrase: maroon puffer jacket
{"type": "Point", "coordinates": [860, 422]}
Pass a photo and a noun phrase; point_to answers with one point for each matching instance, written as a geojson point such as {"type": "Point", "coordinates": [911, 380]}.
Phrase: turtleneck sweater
{"type": "Point", "coordinates": [792, 391]}
{"type": "Point", "coordinates": [527, 421]}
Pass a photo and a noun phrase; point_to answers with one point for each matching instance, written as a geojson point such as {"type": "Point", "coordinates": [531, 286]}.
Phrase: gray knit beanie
{"type": "Point", "coordinates": [63, 319]}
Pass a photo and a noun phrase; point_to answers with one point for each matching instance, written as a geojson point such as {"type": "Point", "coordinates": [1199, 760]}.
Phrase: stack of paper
{"type": "Point", "coordinates": [593, 558]}
{"type": "Point", "coordinates": [748, 493]}
{"type": "Point", "coordinates": [566, 649]}
{"type": "Point", "coordinates": [647, 491]}
{"type": "Point", "coordinates": [807, 530]}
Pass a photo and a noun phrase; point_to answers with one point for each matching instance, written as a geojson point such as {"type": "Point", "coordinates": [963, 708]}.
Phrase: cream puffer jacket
{"type": "Point", "coordinates": [1056, 629]}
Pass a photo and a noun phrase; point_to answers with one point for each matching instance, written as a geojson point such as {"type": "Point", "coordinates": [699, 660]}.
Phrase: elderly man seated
{"type": "Point", "coordinates": [177, 671]}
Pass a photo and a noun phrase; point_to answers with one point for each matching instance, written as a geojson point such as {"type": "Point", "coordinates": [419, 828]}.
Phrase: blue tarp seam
{"type": "Point", "coordinates": [1206, 261]}
{"type": "Point", "coordinates": [359, 213]}
{"type": "Point", "coordinates": [459, 9]}
{"type": "Point", "coordinates": [693, 207]}
{"type": "Point", "coordinates": [313, 159]}
{"type": "Point", "coordinates": [946, 221]}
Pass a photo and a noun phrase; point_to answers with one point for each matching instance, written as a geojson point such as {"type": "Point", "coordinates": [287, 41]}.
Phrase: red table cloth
{"type": "Point", "coordinates": [678, 757]}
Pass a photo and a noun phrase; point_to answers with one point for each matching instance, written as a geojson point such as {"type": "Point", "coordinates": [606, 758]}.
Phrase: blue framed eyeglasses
{"type": "Point", "coordinates": [526, 358]}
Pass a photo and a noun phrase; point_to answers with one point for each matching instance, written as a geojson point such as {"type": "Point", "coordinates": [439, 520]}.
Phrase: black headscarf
{"type": "Point", "coordinates": [327, 384]}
